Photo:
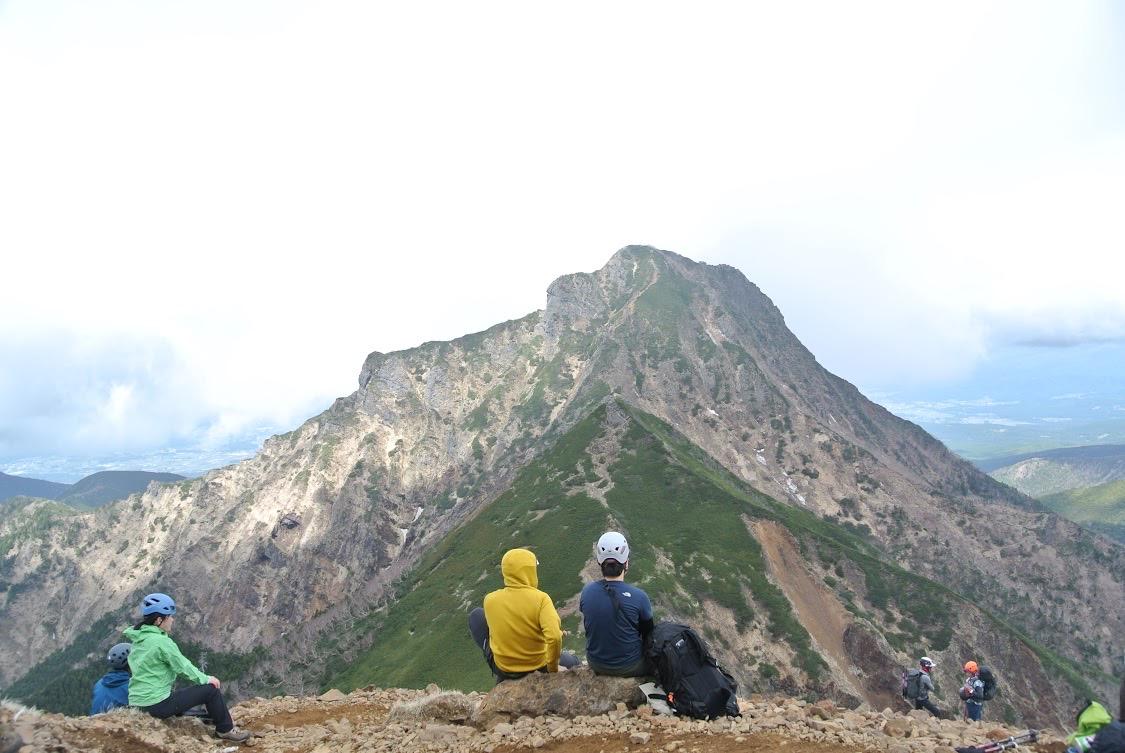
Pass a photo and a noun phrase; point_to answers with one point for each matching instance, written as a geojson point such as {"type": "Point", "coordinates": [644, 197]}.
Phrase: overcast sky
{"type": "Point", "coordinates": [210, 212]}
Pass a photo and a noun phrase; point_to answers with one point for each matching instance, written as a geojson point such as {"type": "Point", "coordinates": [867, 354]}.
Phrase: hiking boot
{"type": "Point", "coordinates": [235, 735]}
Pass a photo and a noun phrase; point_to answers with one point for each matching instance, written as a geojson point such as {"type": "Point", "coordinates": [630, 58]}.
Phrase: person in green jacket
{"type": "Point", "coordinates": [156, 661]}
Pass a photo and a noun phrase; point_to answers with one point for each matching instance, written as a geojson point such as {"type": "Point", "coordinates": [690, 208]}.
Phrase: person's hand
{"type": "Point", "coordinates": [212, 680]}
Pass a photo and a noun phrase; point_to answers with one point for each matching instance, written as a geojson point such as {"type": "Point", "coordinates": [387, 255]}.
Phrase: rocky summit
{"type": "Point", "coordinates": [434, 721]}
{"type": "Point", "coordinates": [819, 543]}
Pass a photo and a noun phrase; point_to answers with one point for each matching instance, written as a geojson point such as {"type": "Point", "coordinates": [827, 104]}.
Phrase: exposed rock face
{"type": "Point", "coordinates": [436, 432]}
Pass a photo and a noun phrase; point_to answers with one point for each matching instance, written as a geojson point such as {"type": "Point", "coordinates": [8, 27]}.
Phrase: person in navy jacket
{"type": "Point", "coordinates": [113, 689]}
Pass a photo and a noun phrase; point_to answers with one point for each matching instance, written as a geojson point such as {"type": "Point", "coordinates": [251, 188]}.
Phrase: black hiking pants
{"type": "Point", "coordinates": [182, 700]}
{"type": "Point", "coordinates": [478, 628]}
{"type": "Point", "coordinates": [924, 703]}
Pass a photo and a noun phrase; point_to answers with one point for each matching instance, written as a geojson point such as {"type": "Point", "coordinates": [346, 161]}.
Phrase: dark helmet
{"type": "Point", "coordinates": [118, 656]}
{"type": "Point", "coordinates": [158, 604]}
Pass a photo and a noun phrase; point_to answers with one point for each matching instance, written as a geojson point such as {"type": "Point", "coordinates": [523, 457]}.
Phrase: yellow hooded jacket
{"type": "Point", "coordinates": [524, 629]}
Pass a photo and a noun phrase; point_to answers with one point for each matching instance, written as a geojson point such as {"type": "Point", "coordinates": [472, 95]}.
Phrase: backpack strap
{"type": "Point", "coordinates": [612, 596]}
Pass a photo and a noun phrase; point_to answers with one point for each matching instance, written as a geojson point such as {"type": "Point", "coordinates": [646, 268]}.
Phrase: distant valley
{"type": "Point", "coordinates": [92, 491]}
{"type": "Point", "coordinates": [1084, 484]}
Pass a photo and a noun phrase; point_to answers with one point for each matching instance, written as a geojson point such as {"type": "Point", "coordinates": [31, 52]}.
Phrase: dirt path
{"type": "Point", "coordinates": [357, 714]}
{"type": "Point", "coordinates": [817, 607]}
{"type": "Point", "coordinates": [752, 743]}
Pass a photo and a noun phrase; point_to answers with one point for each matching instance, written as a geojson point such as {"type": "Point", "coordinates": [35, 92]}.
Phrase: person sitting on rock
{"type": "Point", "coordinates": [156, 661]}
{"type": "Point", "coordinates": [519, 630]}
{"type": "Point", "coordinates": [972, 692]}
{"type": "Point", "coordinates": [112, 690]}
{"type": "Point", "coordinates": [617, 615]}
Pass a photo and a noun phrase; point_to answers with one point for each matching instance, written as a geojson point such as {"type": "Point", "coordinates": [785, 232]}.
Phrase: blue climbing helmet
{"type": "Point", "coordinates": [158, 604]}
{"type": "Point", "coordinates": [118, 656]}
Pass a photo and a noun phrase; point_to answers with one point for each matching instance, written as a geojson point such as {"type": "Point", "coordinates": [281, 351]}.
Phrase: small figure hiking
{"type": "Point", "coordinates": [918, 684]}
{"type": "Point", "coordinates": [980, 686]}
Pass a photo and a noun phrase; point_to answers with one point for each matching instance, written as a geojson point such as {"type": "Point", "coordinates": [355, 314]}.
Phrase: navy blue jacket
{"type": "Point", "coordinates": [110, 692]}
{"type": "Point", "coordinates": [1110, 739]}
{"type": "Point", "coordinates": [613, 629]}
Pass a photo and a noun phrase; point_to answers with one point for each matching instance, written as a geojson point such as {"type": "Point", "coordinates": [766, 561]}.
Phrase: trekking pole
{"type": "Point", "coordinates": [1011, 742]}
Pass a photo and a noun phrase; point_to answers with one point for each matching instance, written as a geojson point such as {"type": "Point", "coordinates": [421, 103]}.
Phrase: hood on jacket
{"type": "Point", "coordinates": [143, 633]}
{"type": "Point", "coordinates": [519, 569]}
{"type": "Point", "coordinates": [1091, 719]}
{"type": "Point", "coordinates": [116, 678]}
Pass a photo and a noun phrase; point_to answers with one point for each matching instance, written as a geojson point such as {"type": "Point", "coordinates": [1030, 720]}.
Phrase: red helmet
{"type": "Point", "coordinates": [971, 666]}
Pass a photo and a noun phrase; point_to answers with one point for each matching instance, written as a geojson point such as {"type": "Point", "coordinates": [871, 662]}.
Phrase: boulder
{"type": "Point", "coordinates": [332, 695]}
{"type": "Point", "coordinates": [10, 741]}
{"type": "Point", "coordinates": [898, 727]}
{"type": "Point", "coordinates": [578, 692]}
{"type": "Point", "coordinates": [821, 710]}
{"type": "Point", "coordinates": [438, 733]}
{"type": "Point", "coordinates": [448, 706]}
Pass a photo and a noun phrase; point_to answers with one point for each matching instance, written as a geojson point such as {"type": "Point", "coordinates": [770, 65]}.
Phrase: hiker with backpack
{"type": "Point", "coordinates": [156, 661]}
{"type": "Point", "coordinates": [917, 686]}
{"type": "Point", "coordinates": [980, 686]}
{"type": "Point", "coordinates": [519, 629]}
{"type": "Point", "coordinates": [112, 690]}
{"type": "Point", "coordinates": [617, 616]}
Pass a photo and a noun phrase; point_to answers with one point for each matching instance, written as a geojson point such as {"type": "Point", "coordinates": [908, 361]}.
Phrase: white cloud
{"type": "Point", "coordinates": [990, 420]}
{"type": "Point", "coordinates": [269, 190]}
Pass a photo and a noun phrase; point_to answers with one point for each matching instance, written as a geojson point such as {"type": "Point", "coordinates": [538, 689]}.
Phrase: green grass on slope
{"type": "Point", "coordinates": [668, 495]}
{"type": "Point", "coordinates": [656, 498]}
{"type": "Point", "coordinates": [423, 636]}
{"type": "Point", "coordinates": [1100, 507]}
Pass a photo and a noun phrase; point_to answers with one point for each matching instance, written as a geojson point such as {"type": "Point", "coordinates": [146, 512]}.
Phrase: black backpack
{"type": "Point", "coordinates": [989, 681]}
{"type": "Point", "coordinates": [695, 683]}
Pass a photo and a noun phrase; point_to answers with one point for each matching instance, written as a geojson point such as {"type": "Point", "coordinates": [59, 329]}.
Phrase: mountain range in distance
{"type": "Point", "coordinates": [92, 491]}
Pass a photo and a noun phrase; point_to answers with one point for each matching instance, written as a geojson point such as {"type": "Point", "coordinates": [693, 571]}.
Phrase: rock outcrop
{"type": "Point", "coordinates": [571, 694]}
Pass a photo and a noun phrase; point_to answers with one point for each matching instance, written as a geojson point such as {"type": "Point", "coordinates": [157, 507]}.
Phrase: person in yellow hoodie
{"type": "Point", "coordinates": [519, 630]}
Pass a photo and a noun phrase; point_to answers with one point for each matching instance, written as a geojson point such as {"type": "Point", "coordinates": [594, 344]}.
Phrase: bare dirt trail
{"type": "Point", "coordinates": [621, 743]}
{"type": "Point", "coordinates": [817, 607]}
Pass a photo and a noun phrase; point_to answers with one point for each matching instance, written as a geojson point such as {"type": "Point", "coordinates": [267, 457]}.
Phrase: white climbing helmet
{"type": "Point", "coordinates": [612, 546]}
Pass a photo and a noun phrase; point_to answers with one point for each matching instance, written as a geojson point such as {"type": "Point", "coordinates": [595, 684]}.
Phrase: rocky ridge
{"type": "Point", "coordinates": [434, 721]}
